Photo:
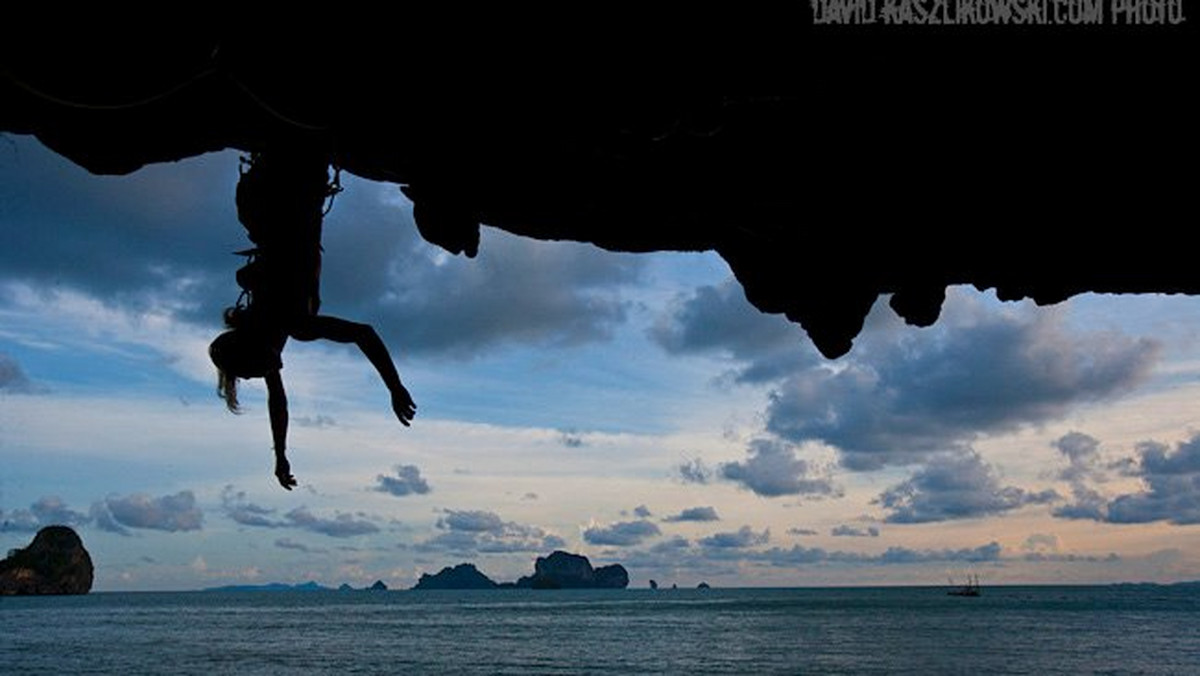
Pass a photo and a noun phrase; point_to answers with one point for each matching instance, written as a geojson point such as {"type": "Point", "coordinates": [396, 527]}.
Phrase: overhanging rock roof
{"type": "Point", "coordinates": [826, 165]}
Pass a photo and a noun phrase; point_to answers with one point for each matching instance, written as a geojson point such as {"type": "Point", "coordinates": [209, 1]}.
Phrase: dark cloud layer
{"type": "Point", "coordinates": [771, 469]}
{"type": "Point", "coordinates": [165, 234]}
{"type": "Point", "coordinates": [408, 481]}
{"type": "Point", "coordinates": [955, 486]}
{"type": "Point", "coordinates": [166, 229]}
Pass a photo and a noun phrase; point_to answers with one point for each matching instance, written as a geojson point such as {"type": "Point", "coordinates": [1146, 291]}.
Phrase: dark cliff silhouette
{"type": "Point", "coordinates": [462, 576]}
{"type": "Point", "coordinates": [56, 562]}
{"type": "Point", "coordinates": [280, 199]}
{"type": "Point", "coordinates": [826, 164]}
{"type": "Point", "coordinates": [563, 570]}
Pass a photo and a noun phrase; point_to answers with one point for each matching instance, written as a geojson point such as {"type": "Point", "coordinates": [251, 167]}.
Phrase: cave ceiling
{"type": "Point", "coordinates": [826, 166]}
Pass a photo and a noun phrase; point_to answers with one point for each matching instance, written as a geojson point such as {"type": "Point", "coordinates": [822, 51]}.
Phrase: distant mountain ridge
{"type": "Point", "coordinates": [270, 587]}
{"type": "Point", "coordinates": [303, 586]}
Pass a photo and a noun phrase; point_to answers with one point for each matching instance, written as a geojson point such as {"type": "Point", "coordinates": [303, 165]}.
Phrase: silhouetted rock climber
{"type": "Point", "coordinates": [280, 199]}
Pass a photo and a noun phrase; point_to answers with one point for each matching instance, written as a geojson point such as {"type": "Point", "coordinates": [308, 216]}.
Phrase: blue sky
{"type": "Point", "coordinates": [633, 408]}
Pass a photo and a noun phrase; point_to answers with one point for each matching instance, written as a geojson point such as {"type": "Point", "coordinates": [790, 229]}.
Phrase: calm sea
{"type": "Point", "coordinates": [1008, 630]}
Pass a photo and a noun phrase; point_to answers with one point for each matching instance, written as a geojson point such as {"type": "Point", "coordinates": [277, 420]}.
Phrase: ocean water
{"type": "Point", "coordinates": [1008, 630]}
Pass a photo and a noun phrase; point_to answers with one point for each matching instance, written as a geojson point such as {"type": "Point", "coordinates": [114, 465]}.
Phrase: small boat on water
{"type": "Point", "coordinates": [970, 588]}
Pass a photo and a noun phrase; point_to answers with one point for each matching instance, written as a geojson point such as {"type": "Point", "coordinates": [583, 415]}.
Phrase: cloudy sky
{"type": "Point", "coordinates": [633, 408]}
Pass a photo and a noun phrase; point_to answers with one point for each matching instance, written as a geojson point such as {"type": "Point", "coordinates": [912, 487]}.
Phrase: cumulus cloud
{"type": "Point", "coordinates": [19, 521]}
{"type": "Point", "coordinates": [642, 512]}
{"type": "Point", "coordinates": [621, 534]}
{"type": "Point", "coordinates": [1082, 454]}
{"type": "Point", "coordinates": [517, 290]}
{"type": "Point", "coordinates": [341, 525]}
{"type": "Point", "coordinates": [694, 472]}
{"type": "Point", "coordinates": [472, 521]}
{"type": "Point", "coordinates": [901, 395]}
{"type": "Point", "coordinates": [955, 486]}
{"type": "Point", "coordinates": [484, 532]}
{"type": "Point", "coordinates": [171, 513]}
{"type": "Point", "coordinates": [845, 531]}
{"type": "Point", "coordinates": [695, 514]}
{"type": "Point", "coordinates": [48, 510]}
{"type": "Point", "coordinates": [51, 510]}
{"type": "Point", "coordinates": [741, 538]}
{"type": "Point", "coordinates": [719, 319]}
{"type": "Point", "coordinates": [900, 400]}
{"type": "Point", "coordinates": [235, 506]}
{"type": "Point", "coordinates": [1172, 480]}
{"type": "Point", "coordinates": [772, 469]}
{"type": "Point", "coordinates": [407, 481]}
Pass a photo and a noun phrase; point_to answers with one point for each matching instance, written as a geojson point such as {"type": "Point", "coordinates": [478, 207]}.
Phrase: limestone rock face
{"type": "Point", "coordinates": [54, 563]}
{"type": "Point", "coordinates": [563, 570]}
{"type": "Point", "coordinates": [462, 576]}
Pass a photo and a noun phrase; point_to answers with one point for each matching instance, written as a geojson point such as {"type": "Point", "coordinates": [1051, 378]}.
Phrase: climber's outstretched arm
{"type": "Point", "coordinates": [278, 410]}
{"type": "Point", "coordinates": [344, 331]}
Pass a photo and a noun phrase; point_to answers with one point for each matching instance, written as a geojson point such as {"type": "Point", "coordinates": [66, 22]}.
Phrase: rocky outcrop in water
{"type": "Point", "coordinates": [562, 570]}
{"type": "Point", "coordinates": [54, 563]}
{"type": "Point", "coordinates": [462, 576]}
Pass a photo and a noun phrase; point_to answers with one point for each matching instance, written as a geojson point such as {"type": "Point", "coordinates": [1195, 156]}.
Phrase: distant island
{"type": "Point", "coordinates": [560, 570]}
{"type": "Point", "coordinates": [462, 576]}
